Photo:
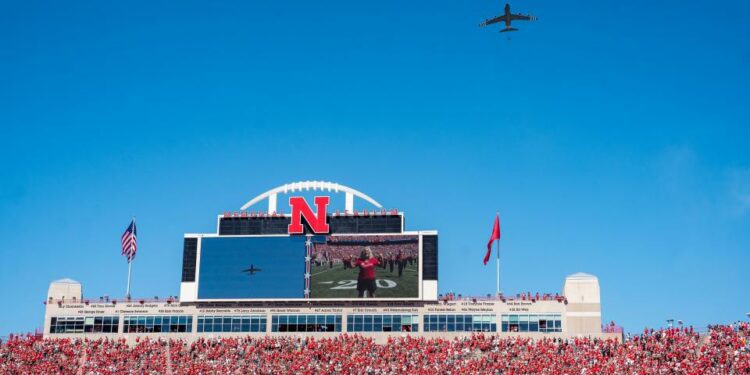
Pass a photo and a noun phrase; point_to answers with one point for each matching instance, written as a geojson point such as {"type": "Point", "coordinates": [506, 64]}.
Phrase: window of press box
{"type": "Point", "coordinates": [238, 323]}
{"type": "Point", "coordinates": [306, 323]}
{"type": "Point", "coordinates": [157, 323]}
{"type": "Point", "coordinates": [80, 324]}
{"type": "Point", "coordinates": [382, 323]}
{"type": "Point", "coordinates": [460, 323]}
{"type": "Point", "coordinates": [532, 323]}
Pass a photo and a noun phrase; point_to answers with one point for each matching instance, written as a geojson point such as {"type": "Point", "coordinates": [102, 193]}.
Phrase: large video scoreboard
{"type": "Point", "coordinates": [310, 254]}
{"type": "Point", "coordinates": [340, 266]}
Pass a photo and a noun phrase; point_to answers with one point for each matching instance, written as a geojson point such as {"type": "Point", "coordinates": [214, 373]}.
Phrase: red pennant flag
{"type": "Point", "coordinates": [495, 236]}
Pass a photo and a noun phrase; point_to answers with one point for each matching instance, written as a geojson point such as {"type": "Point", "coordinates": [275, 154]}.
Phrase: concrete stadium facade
{"type": "Point", "coordinates": [578, 308]}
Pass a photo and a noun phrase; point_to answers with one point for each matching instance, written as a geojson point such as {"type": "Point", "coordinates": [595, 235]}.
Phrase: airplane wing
{"type": "Point", "coordinates": [522, 17]}
{"type": "Point", "coordinates": [490, 21]}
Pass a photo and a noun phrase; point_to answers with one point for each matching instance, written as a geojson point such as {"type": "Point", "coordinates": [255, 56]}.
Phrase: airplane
{"type": "Point", "coordinates": [252, 270]}
{"type": "Point", "coordinates": [508, 17]}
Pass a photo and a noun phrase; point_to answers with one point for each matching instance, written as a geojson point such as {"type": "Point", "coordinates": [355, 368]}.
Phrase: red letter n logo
{"type": "Point", "coordinates": [300, 208]}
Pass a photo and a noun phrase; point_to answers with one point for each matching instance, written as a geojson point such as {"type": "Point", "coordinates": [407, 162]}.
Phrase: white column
{"type": "Point", "coordinates": [349, 202]}
{"type": "Point", "coordinates": [272, 203]}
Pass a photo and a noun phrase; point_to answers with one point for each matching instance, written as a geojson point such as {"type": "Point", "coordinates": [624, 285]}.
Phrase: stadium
{"type": "Point", "coordinates": [321, 290]}
{"type": "Point", "coordinates": [313, 185]}
{"type": "Point", "coordinates": [254, 277]}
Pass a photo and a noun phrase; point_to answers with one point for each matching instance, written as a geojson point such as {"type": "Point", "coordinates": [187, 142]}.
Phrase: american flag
{"type": "Point", "coordinates": [128, 241]}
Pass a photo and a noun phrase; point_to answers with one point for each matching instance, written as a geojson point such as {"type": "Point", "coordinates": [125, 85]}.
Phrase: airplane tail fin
{"type": "Point", "coordinates": [508, 29]}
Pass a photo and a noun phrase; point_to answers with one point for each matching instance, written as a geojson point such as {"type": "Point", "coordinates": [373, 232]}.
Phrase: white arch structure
{"type": "Point", "coordinates": [272, 194]}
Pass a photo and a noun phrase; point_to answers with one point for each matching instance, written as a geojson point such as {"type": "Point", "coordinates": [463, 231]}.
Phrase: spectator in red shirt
{"type": "Point", "coordinates": [366, 278]}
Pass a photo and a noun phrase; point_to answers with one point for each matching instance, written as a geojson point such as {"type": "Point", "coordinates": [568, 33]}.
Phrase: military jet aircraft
{"type": "Point", "coordinates": [508, 17]}
{"type": "Point", "coordinates": [252, 270]}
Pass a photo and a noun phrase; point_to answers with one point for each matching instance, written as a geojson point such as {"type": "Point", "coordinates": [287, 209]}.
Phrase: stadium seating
{"type": "Point", "coordinates": [722, 350]}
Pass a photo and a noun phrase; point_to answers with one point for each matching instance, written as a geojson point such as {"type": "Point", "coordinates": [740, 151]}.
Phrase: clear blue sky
{"type": "Point", "coordinates": [612, 136]}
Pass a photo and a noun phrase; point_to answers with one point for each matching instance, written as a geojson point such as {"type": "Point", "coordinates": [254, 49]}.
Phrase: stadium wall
{"type": "Point", "coordinates": [503, 317]}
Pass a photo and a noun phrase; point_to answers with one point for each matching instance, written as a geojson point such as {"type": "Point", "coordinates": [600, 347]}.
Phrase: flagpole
{"type": "Point", "coordinates": [497, 291]}
{"type": "Point", "coordinates": [130, 268]}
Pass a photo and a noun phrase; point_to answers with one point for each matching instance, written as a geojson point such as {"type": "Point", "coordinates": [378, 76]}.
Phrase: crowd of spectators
{"type": "Point", "coordinates": [722, 350]}
{"type": "Point", "coordinates": [388, 249]}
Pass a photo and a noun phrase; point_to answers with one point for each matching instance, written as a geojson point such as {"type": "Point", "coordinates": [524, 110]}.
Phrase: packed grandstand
{"type": "Point", "coordinates": [403, 326]}
{"type": "Point", "coordinates": [722, 349]}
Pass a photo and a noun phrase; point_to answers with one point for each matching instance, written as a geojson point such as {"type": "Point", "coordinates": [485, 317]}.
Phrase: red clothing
{"type": "Point", "coordinates": [366, 268]}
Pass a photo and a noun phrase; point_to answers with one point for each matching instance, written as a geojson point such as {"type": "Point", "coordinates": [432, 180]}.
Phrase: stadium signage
{"type": "Point", "coordinates": [317, 221]}
{"type": "Point", "coordinates": [264, 214]}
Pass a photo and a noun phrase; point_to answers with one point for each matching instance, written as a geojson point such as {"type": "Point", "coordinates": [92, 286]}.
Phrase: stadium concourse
{"type": "Point", "coordinates": [722, 350]}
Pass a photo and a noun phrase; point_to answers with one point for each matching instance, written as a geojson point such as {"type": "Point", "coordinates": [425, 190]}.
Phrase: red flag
{"type": "Point", "coordinates": [495, 236]}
